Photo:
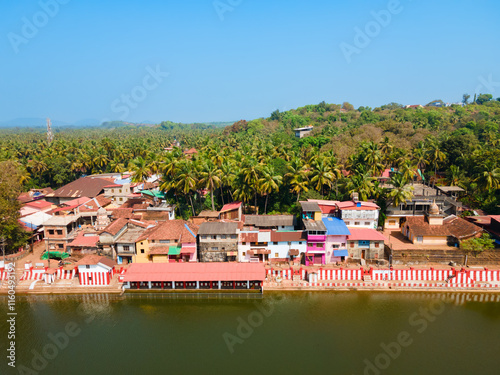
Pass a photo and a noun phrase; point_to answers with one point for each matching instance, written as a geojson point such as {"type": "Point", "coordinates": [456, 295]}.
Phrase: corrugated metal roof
{"type": "Point", "coordinates": [335, 226]}
{"type": "Point", "coordinates": [269, 220]}
{"type": "Point", "coordinates": [195, 272]}
{"type": "Point", "coordinates": [310, 206]}
{"type": "Point", "coordinates": [231, 206]}
{"type": "Point", "coordinates": [218, 228]}
{"type": "Point", "coordinates": [314, 225]}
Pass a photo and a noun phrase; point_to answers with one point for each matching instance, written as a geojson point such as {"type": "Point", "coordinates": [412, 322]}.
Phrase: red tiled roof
{"type": "Point", "coordinates": [90, 259]}
{"type": "Point", "coordinates": [365, 234]}
{"type": "Point", "coordinates": [112, 186]}
{"type": "Point", "coordinates": [288, 236]}
{"type": "Point", "coordinates": [115, 226]}
{"type": "Point", "coordinates": [24, 197]}
{"type": "Point", "coordinates": [195, 272]}
{"type": "Point", "coordinates": [84, 241]}
{"type": "Point", "coordinates": [452, 226]}
{"type": "Point", "coordinates": [65, 208]}
{"type": "Point", "coordinates": [190, 151]}
{"type": "Point", "coordinates": [124, 213]}
{"type": "Point", "coordinates": [327, 209]}
{"type": "Point", "coordinates": [77, 201]}
{"type": "Point", "coordinates": [171, 230]}
{"type": "Point", "coordinates": [39, 204]}
{"type": "Point", "coordinates": [231, 206]}
{"type": "Point", "coordinates": [91, 205]}
{"type": "Point", "coordinates": [350, 205]}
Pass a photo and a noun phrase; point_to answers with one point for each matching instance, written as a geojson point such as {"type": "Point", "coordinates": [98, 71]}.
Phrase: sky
{"type": "Point", "coordinates": [226, 60]}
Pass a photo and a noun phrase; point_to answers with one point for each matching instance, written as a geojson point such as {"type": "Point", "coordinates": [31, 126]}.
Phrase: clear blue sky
{"type": "Point", "coordinates": [263, 55]}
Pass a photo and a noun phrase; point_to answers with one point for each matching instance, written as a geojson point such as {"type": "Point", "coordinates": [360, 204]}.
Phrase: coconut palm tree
{"type": "Point", "coordinates": [269, 182]}
{"type": "Point", "coordinates": [210, 179]}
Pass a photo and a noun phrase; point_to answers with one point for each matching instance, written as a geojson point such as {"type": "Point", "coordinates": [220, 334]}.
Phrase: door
{"type": "Point", "coordinates": [318, 259]}
{"type": "Point", "coordinates": [420, 239]}
{"type": "Point", "coordinates": [363, 254]}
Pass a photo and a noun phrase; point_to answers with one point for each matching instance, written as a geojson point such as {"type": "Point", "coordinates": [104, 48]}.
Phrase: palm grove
{"type": "Point", "coordinates": [261, 163]}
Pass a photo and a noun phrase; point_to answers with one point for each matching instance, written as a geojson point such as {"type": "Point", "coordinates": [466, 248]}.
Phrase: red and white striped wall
{"type": "Point", "coordinates": [33, 274]}
{"type": "Point", "coordinates": [93, 278]}
{"type": "Point", "coordinates": [4, 274]}
{"type": "Point", "coordinates": [65, 274]}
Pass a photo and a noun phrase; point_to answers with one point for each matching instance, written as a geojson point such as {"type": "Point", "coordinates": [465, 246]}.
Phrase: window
{"type": "Point", "coordinates": [60, 246]}
{"type": "Point", "coordinates": [142, 243]}
{"type": "Point", "coordinates": [356, 223]}
{"type": "Point", "coordinates": [215, 248]}
{"type": "Point", "coordinates": [275, 243]}
{"type": "Point", "coordinates": [203, 237]}
{"type": "Point", "coordinates": [244, 253]}
{"type": "Point", "coordinates": [276, 255]}
{"type": "Point", "coordinates": [164, 241]}
{"type": "Point", "coordinates": [363, 243]}
{"type": "Point", "coordinates": [120, 191]}
{"type": "Point", "coordinates": [300, 243]}
{"type": "Point", "coordinates": [51, 231]}
{"type": "Point", "coordinates": [59, 232]}
{"type": "Point", "coordinates": [233, 236]}
{"type": "Point", "coordinates": [336, 246]}
{"type": "Point", "coordinates": [126, 248]}
{"type": "Point", "coordinates": [214, 237]}
{"type": "Point", "coordinates": [120, 199]}
{"type": "Point", "coordinates": [142, 251]}
{"type": "Point", "coordinates": [152, 241]}
{"type": "Point", "coordinates": [347, 223]}
{"type": "Point", "coordinates": [367, 223]}
{"type": "Point", "coordinates": [377, 244]}
{"type": "Point", "coordinates": [87, 266]}
{"type": "Point", "coordinates": [352, 245]}
{"type": "Point", "coordinates": [112, 190]}
{"type": "Point", "coordinates": [222, 236]}
{"type": "Point", "coordinates": [289, 243]}
{"type": "Point", "coordinates": [245, 243]}
{"type": "Point", "coordinates": [310, 244]}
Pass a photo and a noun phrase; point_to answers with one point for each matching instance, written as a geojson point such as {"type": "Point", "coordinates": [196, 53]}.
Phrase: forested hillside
{"type": "Point", "coordinates": [262, 163]}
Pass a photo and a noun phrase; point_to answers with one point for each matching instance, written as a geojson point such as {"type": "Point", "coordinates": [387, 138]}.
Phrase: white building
{"type": "Point", "coordinates": [358, 214]}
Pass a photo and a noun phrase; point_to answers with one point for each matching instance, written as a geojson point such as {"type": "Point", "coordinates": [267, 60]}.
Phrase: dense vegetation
{"type": "Point", "coordinates": [261, 162]}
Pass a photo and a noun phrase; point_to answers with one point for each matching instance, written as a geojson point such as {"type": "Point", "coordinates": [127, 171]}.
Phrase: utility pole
{"type": "Point", "coordinates": [50, 135]}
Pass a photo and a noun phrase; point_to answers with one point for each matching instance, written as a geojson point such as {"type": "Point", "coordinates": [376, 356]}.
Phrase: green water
{"type": "Point", "coordinates": [286, 333]}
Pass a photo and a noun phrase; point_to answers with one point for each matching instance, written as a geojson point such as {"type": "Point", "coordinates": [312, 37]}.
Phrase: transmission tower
{"type": "Point", "coordinates": [50, 135]}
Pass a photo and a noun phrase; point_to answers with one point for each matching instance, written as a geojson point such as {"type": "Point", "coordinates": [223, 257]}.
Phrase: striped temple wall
{"type": "Point", "coordinates": [92, 278]}
{"type": "Point", "coordinates": [454, 276]}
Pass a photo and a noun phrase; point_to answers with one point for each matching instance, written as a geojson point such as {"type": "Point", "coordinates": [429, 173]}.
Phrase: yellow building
{"type": "Point", "coordinates": [169, 241]}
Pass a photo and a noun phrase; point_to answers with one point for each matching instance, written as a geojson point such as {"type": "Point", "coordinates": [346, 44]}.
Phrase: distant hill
{"type": "Point", "coordinates": [31, 122]}
{"type": "Point", "coordinates": [36, 122]}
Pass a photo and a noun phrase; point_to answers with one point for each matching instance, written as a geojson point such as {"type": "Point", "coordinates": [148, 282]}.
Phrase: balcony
{"type": "Point", "coordinates": [316, 237]}
{"type": "Point", "coordinates": [316, 248]}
